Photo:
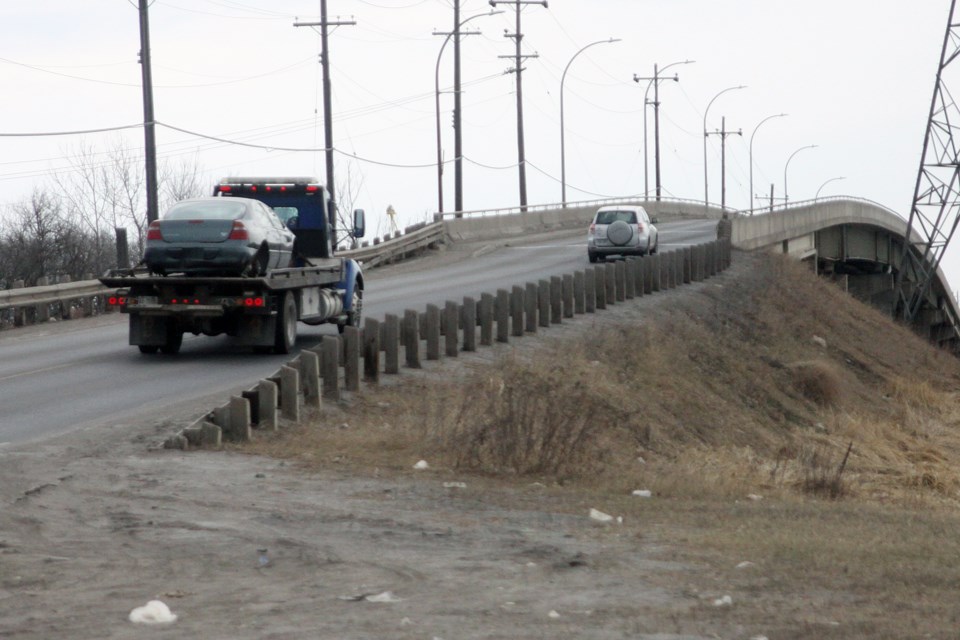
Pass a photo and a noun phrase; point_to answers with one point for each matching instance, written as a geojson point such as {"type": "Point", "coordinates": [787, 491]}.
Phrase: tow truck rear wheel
{"type": "Point", "coordinates": [173, 341]}
{"type": "Point", "coordinates": [148, 348]}
{"type": "Point", "coordinates": [286, 329]}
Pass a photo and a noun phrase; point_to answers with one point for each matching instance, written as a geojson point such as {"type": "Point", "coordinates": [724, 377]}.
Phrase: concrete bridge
{"type": "Point", "coordinates": [857, 243]}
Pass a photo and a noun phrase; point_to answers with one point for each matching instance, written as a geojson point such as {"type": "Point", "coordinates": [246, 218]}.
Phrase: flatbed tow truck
{"type": "Point", "coordinates": [262, 311]}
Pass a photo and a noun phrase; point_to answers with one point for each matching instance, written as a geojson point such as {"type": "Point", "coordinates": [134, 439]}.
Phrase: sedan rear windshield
{"type": "Point", "coordinates": [609, 217]}
{"type": "Point", "coordinates": [219, 209]}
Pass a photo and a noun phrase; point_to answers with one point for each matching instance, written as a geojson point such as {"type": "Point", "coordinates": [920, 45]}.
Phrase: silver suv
{"type": "Point", "coordinates": [621, 230]}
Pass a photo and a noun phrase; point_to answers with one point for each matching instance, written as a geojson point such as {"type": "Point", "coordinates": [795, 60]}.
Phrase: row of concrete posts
{"type": "Point", "coordinates": [344, 363]}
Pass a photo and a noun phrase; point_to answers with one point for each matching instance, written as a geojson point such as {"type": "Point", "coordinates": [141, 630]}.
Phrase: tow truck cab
{"type": "Point", "coordinates": [302, 203]}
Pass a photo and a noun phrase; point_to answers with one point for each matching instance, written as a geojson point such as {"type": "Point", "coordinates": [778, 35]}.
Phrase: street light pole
{"type": "Point", "coordinates": [779, 115]}
{"type": "Point", "coordinates": [706, 189]}
{"type": "Point", "coordinates": [654, 82]}
{"type": "Point", "coordinates": [458, 197]}
{"type": "Point", "coordinates": [826, 183]}
{"type": "Point", "coordinates": [563, 152]}
{"type": "Point", "coordinates": [786, 194]}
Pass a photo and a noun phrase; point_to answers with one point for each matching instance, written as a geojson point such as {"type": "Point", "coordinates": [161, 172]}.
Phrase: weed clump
{"type": "Point", "coordinates": [818, 382]}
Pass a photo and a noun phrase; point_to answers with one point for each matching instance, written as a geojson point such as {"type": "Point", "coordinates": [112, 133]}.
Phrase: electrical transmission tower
{"type": "Point", "coordinates": [936, 197]}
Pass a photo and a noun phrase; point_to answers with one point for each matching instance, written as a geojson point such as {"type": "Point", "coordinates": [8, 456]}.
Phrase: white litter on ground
{"type": "Point", "coordinates": [386, 596]}
{"type": "Point", "coordinates": [642, 493]}
{"type": "Point", "coordinates": [454, 485]}
{"type": "Point", "coordinates": [154, 612]}
{"type": "Point", "coordinates": [600, 516]}
{"type": "Point", "coordinates": [746, 564]}
{"type": "Point", "coordinates": [725, 601]}
{"type": "Point", "coordinates": [554, 615]}
{"type": "Point", "coordinates": [421, 465]}
{"type": "Point", "coordinates": [754, 497]}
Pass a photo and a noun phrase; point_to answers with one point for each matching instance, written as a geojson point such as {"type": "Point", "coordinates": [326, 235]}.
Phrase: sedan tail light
{"type": "Point", "coordinates": [239, 232]}
{"type": "Point", "coordinates": [153, 231]}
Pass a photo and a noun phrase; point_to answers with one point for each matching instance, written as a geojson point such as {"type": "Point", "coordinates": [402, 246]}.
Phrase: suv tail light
{"type": "Point", "coordinates": [593, 227]}
{"type": "Point", "coordinates": [639, 227]}
{"type": "Point", "coordinates": [153, 231]}
{"type": "Point", "coordinates": [238, 232]}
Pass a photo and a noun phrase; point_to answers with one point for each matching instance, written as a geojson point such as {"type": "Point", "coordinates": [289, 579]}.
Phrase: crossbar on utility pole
{"type": "Point", "coordinates": [324, 24]}
{"type": "Point", "coordinates": [655, 81]}
{"type": "Point", "coordinates": [723, 133]}
{"type": "Point", "coordinates": [518, 69]}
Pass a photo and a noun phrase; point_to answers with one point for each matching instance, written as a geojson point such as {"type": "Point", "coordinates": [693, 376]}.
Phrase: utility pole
{"type": "Point", "coordinates": [723, 133]}
{"type": "Point", "coordinates": [518, 69]}
{"type": "Point", "coordinates": [149, 129]}
{"type": "Point", "coordinates": [327, 108]}
{"type": "Point", "coordinates": [655, 80]}
{"type": "Point", "coordinates": [457, 109]}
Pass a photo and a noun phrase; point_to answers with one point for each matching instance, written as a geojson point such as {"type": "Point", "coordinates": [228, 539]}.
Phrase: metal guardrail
{"type": "Point", "coordinates": [573, 205]}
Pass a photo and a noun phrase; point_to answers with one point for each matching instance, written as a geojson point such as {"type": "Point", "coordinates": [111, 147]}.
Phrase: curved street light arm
{"type": "Point", "coordinates": [563, 153]}
{"type": "Point", "coordinates": [706, 188]}
{"type": "Point", "coordinates": [778, 115]}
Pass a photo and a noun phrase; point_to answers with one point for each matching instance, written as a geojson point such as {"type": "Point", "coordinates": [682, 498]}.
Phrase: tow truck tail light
{"type": "Point", "coordinates": [153, 231]}
{"type": "Point", "coordinates": [239, 232]}
{"type": "Point", "coordinates": [117, 301]}
{"type": "Point", "coordinates": [254, 302]}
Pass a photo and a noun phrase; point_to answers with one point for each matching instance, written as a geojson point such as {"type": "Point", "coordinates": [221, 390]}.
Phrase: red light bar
{"type": "Point", "coordinates": [225, 188]}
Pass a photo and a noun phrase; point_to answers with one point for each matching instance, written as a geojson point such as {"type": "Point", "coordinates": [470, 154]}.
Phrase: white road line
{"type": "Point", "coordinates": [35, 371]}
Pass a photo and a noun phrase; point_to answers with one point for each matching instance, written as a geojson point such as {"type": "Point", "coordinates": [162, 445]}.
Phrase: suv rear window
{"type": "Point", "coordinates": [609, 217]}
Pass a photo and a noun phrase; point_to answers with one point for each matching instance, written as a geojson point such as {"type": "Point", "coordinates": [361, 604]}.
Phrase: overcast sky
{"type": "Point", "coordinates": [855, 77]}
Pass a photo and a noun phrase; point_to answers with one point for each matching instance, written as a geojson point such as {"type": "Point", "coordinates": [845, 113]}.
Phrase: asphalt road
{"type": "Point", "coordinates": [78, 374]}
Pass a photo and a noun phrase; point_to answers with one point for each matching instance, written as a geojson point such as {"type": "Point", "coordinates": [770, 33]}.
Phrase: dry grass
{"type": "Point", "coordinates": [854, 448]}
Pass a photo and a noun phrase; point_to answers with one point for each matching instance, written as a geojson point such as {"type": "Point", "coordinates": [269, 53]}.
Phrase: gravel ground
{"type": "Point", "coordinates": [100, 521]}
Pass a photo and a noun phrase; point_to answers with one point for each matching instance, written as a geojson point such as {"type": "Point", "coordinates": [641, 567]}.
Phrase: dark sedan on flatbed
{"type": "Point", "coordinates": [218, 236]}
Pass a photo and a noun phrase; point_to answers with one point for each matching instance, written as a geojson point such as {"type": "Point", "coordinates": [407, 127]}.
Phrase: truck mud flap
{"type": "Point", "coordinates": [147, 331]}
{"type": "Point", "coordinates": [257, 330]}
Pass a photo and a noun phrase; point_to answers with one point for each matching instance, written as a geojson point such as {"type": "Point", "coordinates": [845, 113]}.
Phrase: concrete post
{"type": "Point", "coordinates": [590, 290]}
{"type": "Point", "coordinates": [391, 344]}
{"type": "Point", "coordinates": [610, 282]}
{"type": "Point", "coordinates": [516, 310]}
{"type": "Point", "coordinates": [579, 292]}
{"type": "Point", "coordinates": [290, 393]}
{"type": "Point", "coordinates": [451, 318]}
{"type": "Point", "coordinates": [469, 311]}
{"type": "Point", "coordinates": [657, 269]}
{"type": "Point", "coordinates": [502, 310]}
{"type": "Point", "coordinates": [239, 428]}
{"type": "Point", "coordinates": [43, 312]}
{"type": "Point", "coordinates": [531, 303]}
{"type": "Point", "coordinates": [310, 378]}
{"type": "Point", "coordinates": [630, 278]}
{"type": "Point", "coordinates": [566, 289]}
{"type": "Point", "coordinates": [329, 367]}
{"type": "Point", "coordinates": [267, 409]}
{"type": "Point", "coordinates": [351, 364]}
{"type": "Point", "coordinates": [433, 332]}
{"type": "Point", "coordinates": [556, 300]}
{"type": "Point", "coordinates": [411, 337]}
{"type": "Point", "coordinates": [600, 286]}
{"type": "Point", "coordinates": [543, 303]}
{"type": "Point", "coordinates": [371, 350]}
{"type": "Point", "coordinates": [485, 311]}
{"type": "Point", "coordinates": [620, 279]}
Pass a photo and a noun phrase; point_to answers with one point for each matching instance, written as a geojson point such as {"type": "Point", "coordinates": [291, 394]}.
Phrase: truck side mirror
{"type": "Point", "coordinates": [359, 223]}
